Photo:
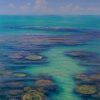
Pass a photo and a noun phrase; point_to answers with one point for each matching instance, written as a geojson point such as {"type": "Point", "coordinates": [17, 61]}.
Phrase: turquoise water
{"type": "Point", "coordinates": [80, 22]}
{"type": "Point", "coordinates": [61, 67]}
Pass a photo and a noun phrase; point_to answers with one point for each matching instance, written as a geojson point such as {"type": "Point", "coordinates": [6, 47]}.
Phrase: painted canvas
{"type": "Point", "coordinates": [49, 49]}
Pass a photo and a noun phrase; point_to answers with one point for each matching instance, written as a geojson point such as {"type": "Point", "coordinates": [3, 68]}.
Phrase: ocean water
{"type": "Point", "coordinates": [79, 22]}
{"type": "Point", "coordinates": [61, 67]}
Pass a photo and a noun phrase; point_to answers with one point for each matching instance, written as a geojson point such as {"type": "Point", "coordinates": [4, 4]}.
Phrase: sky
{"type": "Point", "coordinates": [49, 7]}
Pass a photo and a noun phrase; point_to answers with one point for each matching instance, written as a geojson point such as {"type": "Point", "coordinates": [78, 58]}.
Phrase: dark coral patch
{"type": "Point", "coordinates": [86, 89]}
{"type": "Point", "coordinates": [25, 86]}
{"type": "Point", "coordinates": [22, 57]}
{"type": "Point", "coordinates": [85, 58]}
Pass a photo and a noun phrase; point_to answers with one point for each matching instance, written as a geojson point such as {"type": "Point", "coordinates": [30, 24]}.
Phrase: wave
{"type": "Point", "coordinates": [43, 28]}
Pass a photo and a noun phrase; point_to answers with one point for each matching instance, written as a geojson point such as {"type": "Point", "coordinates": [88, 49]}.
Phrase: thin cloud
{"type": "Point", "coordinates": [40, 5]}
{"type": "Point", "coordinates": [44, 7]}
{"type": "Point", "coordinates": [11, 5]}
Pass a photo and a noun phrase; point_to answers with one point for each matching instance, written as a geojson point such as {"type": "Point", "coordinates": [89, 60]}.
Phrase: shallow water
{"type": "Point", "coordinates": [61, 67]}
